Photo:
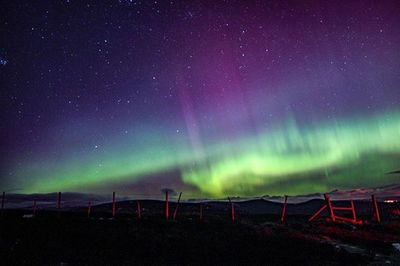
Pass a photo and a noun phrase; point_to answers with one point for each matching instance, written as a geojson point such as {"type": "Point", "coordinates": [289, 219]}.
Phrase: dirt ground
{"type": "Point", "coordinates": [73, 239]}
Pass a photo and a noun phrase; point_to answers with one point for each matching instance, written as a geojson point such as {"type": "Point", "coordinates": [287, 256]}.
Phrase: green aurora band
{"type": "Point", "coordinates": [288, 159]}
{"type": "Point", "coordinates": [344, 148]}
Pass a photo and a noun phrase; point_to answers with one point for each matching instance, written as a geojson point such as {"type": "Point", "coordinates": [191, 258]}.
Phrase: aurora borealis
{"type": "Point", "coordinates": [212, 98]}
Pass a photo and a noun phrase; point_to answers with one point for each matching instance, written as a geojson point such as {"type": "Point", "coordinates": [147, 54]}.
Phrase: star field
{"type": "Point", "coordinates": [213, 98]}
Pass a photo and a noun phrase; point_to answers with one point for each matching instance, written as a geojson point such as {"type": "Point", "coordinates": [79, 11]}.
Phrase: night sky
{"type": "Point", "coordinates": [212, 98]}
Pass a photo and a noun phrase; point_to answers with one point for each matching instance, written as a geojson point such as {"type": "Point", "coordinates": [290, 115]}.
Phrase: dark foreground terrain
{"type": "Point", "coordinates": [73, 239]}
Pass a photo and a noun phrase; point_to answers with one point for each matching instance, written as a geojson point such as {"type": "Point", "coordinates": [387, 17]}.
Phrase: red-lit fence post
{"type": "Point", "coordinates": [232, 210]}
{"type": "Point", "coordinates": [376, 209]}
{"type": "Point", "coordinates": [89, 209]}
{"type": "Point", "coordinates": [177, 205]}
{"type": "Point", "coordinates": [353, 211]}
{"type": "Point", "coordinates": [329, 205]}
{"type": "Point", "coordinates": [113, 205]}
{"type": "Point", "coordinates": [166, 204]}
{"type": "Point", "coordinates": [138, 209]}
{"type": "Point", "coordinates": [317, 213]}
{"type": "Point", "coordinates": [331, 209]}
{"type": "Point", "coordinates": [283, 216]}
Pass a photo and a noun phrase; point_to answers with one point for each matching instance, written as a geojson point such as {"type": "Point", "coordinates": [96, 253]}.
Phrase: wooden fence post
{"type": "Point", "coordinates": [232, 210]}
{"type": "Point", "coordinates": [89, 209]}
{"type": "Point", "coordinates": [3, 197]}
{"type": "Point", "coordinates": [329, 205]}
{"type": "Point", "coordinates": [138, 209]}
{"type": "Point", "coordinates": [201, 211]}
{"type": "Point", "coordinates": [113, 205]}
{"type": "Point", "coordinates": [283, 216]}
{"type": "Point", "coordinates": [375, 206]}
{"type": "Point", "coordinates": [177, 205]}
{"type": "Point", "coordinates": [166, 204]}
{"type": "Point", "coordinates": [34, 207]}
{"type": "Point", "coordinates": [59, 204]}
